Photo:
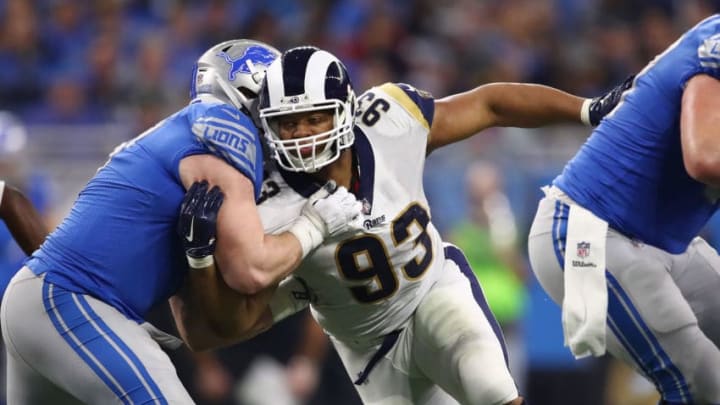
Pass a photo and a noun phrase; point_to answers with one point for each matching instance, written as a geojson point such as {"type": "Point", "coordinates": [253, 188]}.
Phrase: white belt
{"type": "Point", "coordinates": [557, 194]}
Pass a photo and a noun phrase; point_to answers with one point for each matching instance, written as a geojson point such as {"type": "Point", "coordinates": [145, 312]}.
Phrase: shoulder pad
{"type": "Point", "coordinates": [231, 135]}
{"type": "Point", "coordinates": [419, 103]}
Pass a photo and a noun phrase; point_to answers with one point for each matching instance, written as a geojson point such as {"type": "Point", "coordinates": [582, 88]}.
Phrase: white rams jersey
{"type": "Point", "coordinates": [368, 284]}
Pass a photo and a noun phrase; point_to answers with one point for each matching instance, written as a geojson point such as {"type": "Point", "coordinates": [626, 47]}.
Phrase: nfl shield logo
{"type": "Point", "coordinates": [583, 249]}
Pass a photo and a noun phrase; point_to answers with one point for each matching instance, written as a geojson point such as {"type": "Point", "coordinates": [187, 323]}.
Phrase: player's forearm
{"type": "Point", "coordinates": [210, 314]}
{"type": "Point", "coordinates": [463, 115]}
{"type": "Point", "coordinates": [193, 329]}
{"type": "Point", "coordinates": [23, 220]}
{"type": "Point", "coordinates": [261, 266]}
{"type": "Point", "coordinates": [199, 336]}
{"type": "Point", "coordinates": [531, 105]}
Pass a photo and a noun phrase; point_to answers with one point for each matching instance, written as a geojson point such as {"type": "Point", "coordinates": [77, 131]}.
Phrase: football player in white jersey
{"type": "Point", "coordinates": [401, 307]}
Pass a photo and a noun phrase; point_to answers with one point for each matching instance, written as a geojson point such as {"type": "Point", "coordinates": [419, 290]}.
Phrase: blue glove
{"type": "Point", "coordinates": [600, 106]}
{"type": "Point", "coordinates": [198, 221]}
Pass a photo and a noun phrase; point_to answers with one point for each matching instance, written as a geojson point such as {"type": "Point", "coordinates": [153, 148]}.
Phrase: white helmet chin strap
{"type": "Point", "coordinates": [236, 98]}
{"type": "Point", "coordinates": [253, 71]}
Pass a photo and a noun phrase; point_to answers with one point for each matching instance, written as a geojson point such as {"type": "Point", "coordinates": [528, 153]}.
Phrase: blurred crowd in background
{"type": "Point", "coordinates": [88, 62]}
{"type": "Point", "coordinates": [79, 76]}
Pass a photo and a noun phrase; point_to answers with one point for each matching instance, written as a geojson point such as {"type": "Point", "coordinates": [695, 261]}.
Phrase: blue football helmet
{"type": "Point", "coordinates": [308, 79]}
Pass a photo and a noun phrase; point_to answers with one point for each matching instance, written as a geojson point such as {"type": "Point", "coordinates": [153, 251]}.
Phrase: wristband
{"type": "Point", "coordinates": [585, 112]}
{"type": "Point", "coordinates": [200, 262]}
{"type": "Point", "coordinates": [291, 296]}
{"type": "Point", "coordinates": [307, 234]}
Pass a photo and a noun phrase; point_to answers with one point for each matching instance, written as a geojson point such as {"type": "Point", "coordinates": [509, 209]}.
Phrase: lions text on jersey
{"type": "Point", "coordinates": [121, 229]}
{"type": "Point", "coordinates": [78, 303]}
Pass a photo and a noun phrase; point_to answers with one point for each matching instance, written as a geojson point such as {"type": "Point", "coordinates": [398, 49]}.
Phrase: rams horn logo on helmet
{"type": "Point", "coordinates": [257, 54]}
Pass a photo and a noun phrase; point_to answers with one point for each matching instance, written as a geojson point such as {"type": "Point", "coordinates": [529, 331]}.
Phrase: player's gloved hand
{"type": "Point", "coordinates": [197, 223]}
{"type": "Point", "coordinates": [333, 209]}
{"type": "Point", "coordinates": [595, 109]}
{"type": "Point", "coordinates": [329, 212]}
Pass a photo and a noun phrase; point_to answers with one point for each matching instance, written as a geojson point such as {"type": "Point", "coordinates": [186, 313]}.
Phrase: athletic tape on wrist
{"type": "Point", "coordinates": [307, 234]}
{"type": "Point", "coordinates": [585, 112]}
{"type": "Point", "coordinates": [200, 262]}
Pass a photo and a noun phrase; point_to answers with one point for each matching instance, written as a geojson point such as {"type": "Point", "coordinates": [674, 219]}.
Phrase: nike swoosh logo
{"type": "Point", "coordinates": [189, 236]}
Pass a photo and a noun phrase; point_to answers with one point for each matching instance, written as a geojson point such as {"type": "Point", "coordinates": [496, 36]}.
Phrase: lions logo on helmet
{"type": "Point", "coordinates": [254, 55]}
{"type": "Point", "coordinates": [233, 72]}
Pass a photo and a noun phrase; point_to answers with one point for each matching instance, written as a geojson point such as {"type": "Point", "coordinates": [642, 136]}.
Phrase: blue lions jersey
{"type": "Point", "coordinates": [118, 243]}
{"type": "Point", "coordinates": [630, 172]}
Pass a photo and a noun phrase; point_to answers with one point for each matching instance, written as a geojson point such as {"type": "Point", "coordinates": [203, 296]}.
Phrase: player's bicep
{"type": "Point", "coordinates": [700, 127]}
{"type": "Point", "coordinates": [239, 229]}
{"type": "Point", "coordinates": [234, 184]}
{"type": "Point", "coordinates": [700, 106]}
{"type": "Point", "coordinates": [232, 136]}
{"type": "Point", "coordinates": [458, 117]}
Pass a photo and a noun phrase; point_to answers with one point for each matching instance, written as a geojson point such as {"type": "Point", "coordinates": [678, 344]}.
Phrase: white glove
{"type": "Point", "coordinates": [329, 212]}
{"type": "Point", "coordinates": [336, 213]}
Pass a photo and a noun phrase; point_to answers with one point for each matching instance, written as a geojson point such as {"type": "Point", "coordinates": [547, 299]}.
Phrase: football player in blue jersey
{"type": "Point", "coordinates": [402, 307]}
{"type": "Point", "coordinates": [614, 240]}
{"type": "Point", "coordinates": [71, 318]}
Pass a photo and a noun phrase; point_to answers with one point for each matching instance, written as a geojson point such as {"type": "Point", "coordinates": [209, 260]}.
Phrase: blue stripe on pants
{"type": "Point", "coordinates": [99, 347]}
{"type": "Point", "coordinates": [653, 358]}
{"type": "Point", "coordinates": [625, 322]}
{"type": "Point", "coordinates": [136, 363]}
{"type": "Point", "coordinates": [559, 231]}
